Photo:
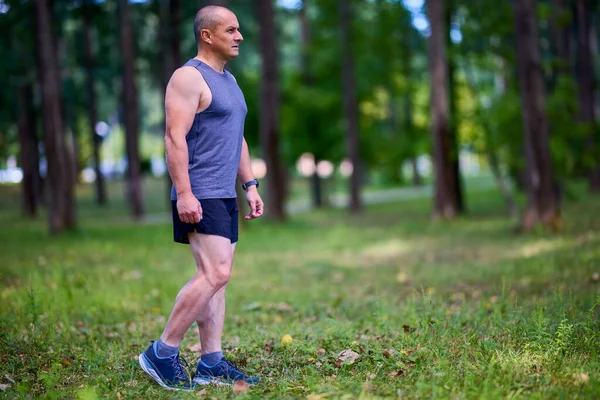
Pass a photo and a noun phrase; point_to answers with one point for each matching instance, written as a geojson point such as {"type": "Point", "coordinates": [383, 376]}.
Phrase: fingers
{"type": "Point", "coordinates": [256, 209]}
{"type": "Point", "coordinates": [191, 217]}
{"type": "Point", "coordinates": [259, 208]}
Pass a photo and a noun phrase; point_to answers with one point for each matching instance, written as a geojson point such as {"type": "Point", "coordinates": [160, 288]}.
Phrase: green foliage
{"type": "Point", "coordinates": [567, 136]}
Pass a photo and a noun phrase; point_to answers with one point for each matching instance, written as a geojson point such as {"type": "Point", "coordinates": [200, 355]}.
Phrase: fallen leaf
{"type": "Point", "coordinates": [388, 352]}
{"type": "Point", "coordinates": [10, 379]}
{"type": "Point", "coordinates": [268, 347]}
{"type": "Point", "coordinates": [240, 387]}
{"type": "Point", "coordinates": [396, 374]}
{"type": "Point", "coordinates": [314, 396]}
{"type": "Point", "coordinates": [347, 357]}
{"type": "Point", "coordinates": [195, 348]}
{"type": "Point", "coordinates": [321, 352]}
{"type": "Point", "coordinates": [407, 329]}
{"type": "Point", "coordinates": [283, 307]}
{"type": "Point", "coordinates": [286, 339]}
{"type": "Point", "coordinates": [202, 393]}
{"type": "Point", "coordinates": [582, 378]}
{"type": "Point", "coordinates": [4, 386]}
{"type": "Point", "coordinates": [402, 277]}
{"type": "Point", "coordinates": [318, 364]}
{"type": "Point", "coordinates": [595, 277]}
{"type": "Point", "coordinates": [371, 375]}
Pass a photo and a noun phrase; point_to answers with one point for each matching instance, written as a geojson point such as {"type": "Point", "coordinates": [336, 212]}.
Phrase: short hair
{"type": "Point", "coordinates": [207, 17]}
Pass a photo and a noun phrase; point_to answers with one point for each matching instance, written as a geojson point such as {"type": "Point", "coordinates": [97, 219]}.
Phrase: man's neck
{"type": "Point", "coordinates": [212, 61]}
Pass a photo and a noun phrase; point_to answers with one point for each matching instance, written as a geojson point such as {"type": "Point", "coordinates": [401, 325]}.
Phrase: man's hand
{"type": "Point", "coordinates": [189, 208]}
{"type": "Point", "coordinates": [255, 202]}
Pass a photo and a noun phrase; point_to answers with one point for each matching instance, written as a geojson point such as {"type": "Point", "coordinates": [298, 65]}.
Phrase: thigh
{"type": "Point", "coordinates": [210, 251]}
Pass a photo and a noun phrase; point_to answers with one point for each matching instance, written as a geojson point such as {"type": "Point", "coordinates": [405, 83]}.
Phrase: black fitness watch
{"type": "Point", "coordinates": [246, 185]}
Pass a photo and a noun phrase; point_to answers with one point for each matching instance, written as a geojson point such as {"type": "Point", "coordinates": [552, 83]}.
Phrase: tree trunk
{"type": "Point", "coordinates": [445, 198]}
{"type": "Point", "coordinates": [543, 204]}
{"type": "Point", "coordinates": [61, 205]}
{"type": "Point", "coordinates": [454, 145]}
{"type": "Point", "coordinates": [586, 83]}
{"type": "Point", "coordinates": [416, 179]}
{"type": "Point", "coordinates": [130, 112]}
{"type": "Point", "coordinates": [169, 57]}
{"type": "Point", "coordinates": [559, 31]}
{"type": "Point", "coordinates": [29, 154]}
{"type": "Point", "coordinates": [92, 109]}
{"type": "Point", "coordinates": [315, 181]}
{"type": "Point", "coordinates": [269, 113]}
{"type": "Point", "coordinates": [350, 105]}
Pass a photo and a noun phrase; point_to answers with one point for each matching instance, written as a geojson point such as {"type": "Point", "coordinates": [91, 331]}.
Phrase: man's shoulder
{"type": "Point", "coordinates": [187, 78]}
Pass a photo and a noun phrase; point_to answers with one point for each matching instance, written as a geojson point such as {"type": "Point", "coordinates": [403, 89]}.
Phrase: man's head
{"type": "Point", "coordinates": [217, 30]}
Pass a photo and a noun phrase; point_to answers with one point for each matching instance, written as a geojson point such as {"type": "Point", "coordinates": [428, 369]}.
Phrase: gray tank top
{"type": "Point", "coordinates": [215, 138]}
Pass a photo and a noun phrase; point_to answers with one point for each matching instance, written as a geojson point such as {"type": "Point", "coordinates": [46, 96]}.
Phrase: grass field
{"type": "Point", "coordinates": [426, 309]}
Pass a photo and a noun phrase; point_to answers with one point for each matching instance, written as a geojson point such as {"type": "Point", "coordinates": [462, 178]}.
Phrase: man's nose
{"type": "Point", "coordinates": [239, 37]}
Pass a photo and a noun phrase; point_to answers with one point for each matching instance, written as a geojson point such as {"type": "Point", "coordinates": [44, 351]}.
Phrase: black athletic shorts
{"type": "Point", "coordinates": [219, 217]}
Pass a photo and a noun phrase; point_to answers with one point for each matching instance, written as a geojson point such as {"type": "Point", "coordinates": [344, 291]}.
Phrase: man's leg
{"type": "Point", "coordinates": [161, 359]}
{"type": "Point", "coordinates": [210, 324]}
{"type": "Point", "coordinates": [213, 258]}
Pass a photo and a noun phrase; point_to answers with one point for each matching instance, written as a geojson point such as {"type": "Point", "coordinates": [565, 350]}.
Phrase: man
{"type": "Point", "coordinates": [205, 112]}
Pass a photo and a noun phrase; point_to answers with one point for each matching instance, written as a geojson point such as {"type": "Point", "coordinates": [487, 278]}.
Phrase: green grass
{"type": "Point", "coordinates": [433, 309]}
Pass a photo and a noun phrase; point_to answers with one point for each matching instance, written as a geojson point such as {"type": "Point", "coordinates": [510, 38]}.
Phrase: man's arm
{"type": "Point", "coordinates": [181, 103]}
{"type": "Point", "coordinates": [245, 174]}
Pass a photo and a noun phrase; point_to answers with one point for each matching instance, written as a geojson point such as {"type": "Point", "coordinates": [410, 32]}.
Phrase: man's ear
{"type": "Point", "coordinates": [206, 36]}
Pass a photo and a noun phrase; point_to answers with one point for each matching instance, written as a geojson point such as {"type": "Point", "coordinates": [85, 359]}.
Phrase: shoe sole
{"type": "Point", "coordinates": [145, 364]}
{"type": "Point", "coordinates": [216, 381]}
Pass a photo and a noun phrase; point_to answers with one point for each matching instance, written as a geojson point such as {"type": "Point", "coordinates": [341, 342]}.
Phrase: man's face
{"type": "Point", "coordinates": [226, 37]}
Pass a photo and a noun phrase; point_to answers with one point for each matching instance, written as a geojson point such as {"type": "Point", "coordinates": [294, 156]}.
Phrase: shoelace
{"type": "Point", "coordinates": [234, 367]}
{"type": "Point", "coordinates": [176, 363]}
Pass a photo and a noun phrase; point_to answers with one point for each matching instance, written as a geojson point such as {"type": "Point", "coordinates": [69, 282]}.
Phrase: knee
{"type": "Point", "coordinates": [219, 272]}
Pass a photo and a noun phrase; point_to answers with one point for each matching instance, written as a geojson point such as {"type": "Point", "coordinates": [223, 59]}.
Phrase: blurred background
{"type": "Point", "coordinates": [350, 102]}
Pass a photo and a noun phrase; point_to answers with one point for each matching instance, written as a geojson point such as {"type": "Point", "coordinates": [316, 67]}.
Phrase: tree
{"type": "Point", "coordinates": [586, 84]}
{"type": "Point", "coordinates": [29, 154]}
{"type": "Point", "coordinates": [445, 198]}
{"type": "Point", "coordinates": [317, 193]}
{"type": "Point", "coordinates": [269, 112]}
{"type": "Point", "coordinates": [61, 205]}
{"type": "Point", "coordinates": [543, 202]}
{"type": "Point", "coordinates": [169, 57]}
{"type": "Point", "coordinates": [23, 78]}
{"type": "Point", "coordinates": [88, 28]}
{"type": "Point", "coordinates": [130, 112]}
{"type": "Point", "coordinates": [452, 94]}
{"type": "Point", "coordinates": [350, 105]}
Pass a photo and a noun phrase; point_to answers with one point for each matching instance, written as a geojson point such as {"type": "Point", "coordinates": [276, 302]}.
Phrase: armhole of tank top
{"type": "Point", "coordinates": [209, 88]}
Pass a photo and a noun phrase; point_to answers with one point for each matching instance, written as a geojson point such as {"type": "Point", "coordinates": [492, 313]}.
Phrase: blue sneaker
{"type": "Point", "coordinates": [167, 371]}
{"type": "Point", "coordinates": [222, 373]}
